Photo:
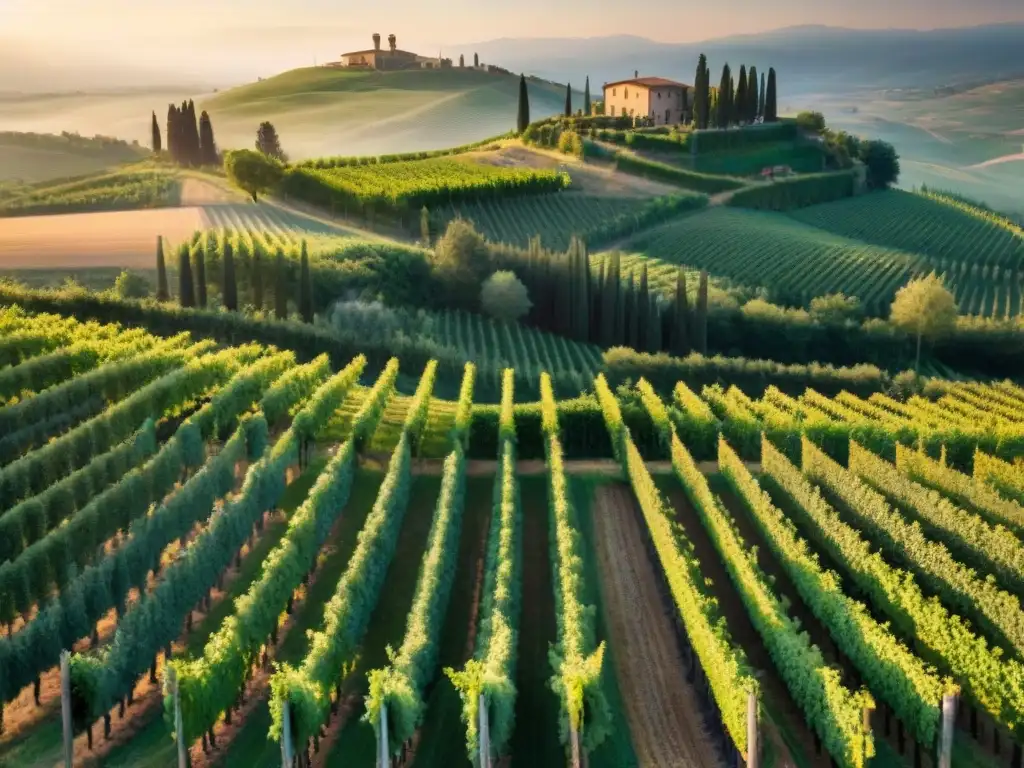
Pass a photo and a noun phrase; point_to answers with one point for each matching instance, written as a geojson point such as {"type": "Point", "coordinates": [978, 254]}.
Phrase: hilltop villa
{"type": "Point", "coordinates": [377, 58]}
{"type": "Point", "coordinates": [664, 102]}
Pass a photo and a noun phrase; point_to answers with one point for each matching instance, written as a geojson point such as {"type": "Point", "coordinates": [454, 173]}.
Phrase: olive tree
{"type": "Point", "coordinates": [925, 308]}
{"type": "Point", "coordinates": [252, 171]}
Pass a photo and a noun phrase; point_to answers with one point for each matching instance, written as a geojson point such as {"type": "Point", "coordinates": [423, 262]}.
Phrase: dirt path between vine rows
{"type": "Point", "coordinates": [662, 709]}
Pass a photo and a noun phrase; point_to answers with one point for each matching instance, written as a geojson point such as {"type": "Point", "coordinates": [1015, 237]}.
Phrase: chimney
{"type": "Point", "coordinates": [393, 42]}
{"type": "Point", "coordinates": [636, 73]}
{"type": "Point", "coordinates": [376, 41]}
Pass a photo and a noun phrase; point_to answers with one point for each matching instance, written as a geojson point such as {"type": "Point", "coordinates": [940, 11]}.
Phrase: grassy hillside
{"type": "Point", "coordinates": [36, 157]}
{"type": "Point", "coordinates": [323, 111]}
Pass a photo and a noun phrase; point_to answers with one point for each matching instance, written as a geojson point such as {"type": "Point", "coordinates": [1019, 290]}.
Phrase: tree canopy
{"type": "Point", "coordinates": [269, 143]}
{"type": "Point", "coordinates": [504, 297]}
{"type": "Point", "coordinates": [925, 308]}
{"type": "Point", "coordinates": [254, 172]}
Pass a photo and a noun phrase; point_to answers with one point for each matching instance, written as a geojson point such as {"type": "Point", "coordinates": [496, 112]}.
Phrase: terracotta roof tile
{"type": "Point", "coordinates": [649, 82]}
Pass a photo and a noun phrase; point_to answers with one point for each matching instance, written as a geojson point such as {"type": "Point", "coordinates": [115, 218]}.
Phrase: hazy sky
{"type": "Point", "coordinates": [293, 32]}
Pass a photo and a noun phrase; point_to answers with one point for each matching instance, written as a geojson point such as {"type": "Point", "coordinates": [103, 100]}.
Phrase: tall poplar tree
{"type": "Point", "coordinates": [771, 106]}
{"type": "Point", "coordinates": [280, 287]}
{"type": "Point", "coordinates": [230, 291]}
{"type": "Point", "coordinates": [760, 98]}
{"type": "Point", "coordinates": [162, 289]}
{"type": "Point", "coordinates": [586, 98]}
{"type": "Point", "coordinates": [186, 289]}
{"type": "Point", "coordinates": [680, 337]}
{"type": "Point", "coordinates": [568, 99]}
{"type": "Point", "coordinates": [207, 144]}
{"type": "Point", "coordinates": [702, 97]}
{"type": "Point", "coordinates": [257, 279]}
{"type": "Point", "coordinates": [305, 287]}
{"type": "Point", "coordinates": [200, 277]}
{"type": "Point", "coordinates": [752, 95]}
{"type": "Point", "coordinates": [700, 326]}
{"type": "Point", "coordinates": [523, 118]}
{"type": "Point", "coordinates": [739, 108]}
{"type": "Point", "coordinates": [155, 129]}
{"type": "Point", "coordinates": [723, 97]}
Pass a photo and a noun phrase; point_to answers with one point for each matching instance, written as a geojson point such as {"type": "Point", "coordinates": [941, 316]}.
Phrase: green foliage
{"type": "Point", "coordinates": [268, 143]}
{"type": "Point", "coordinates": [131, 285]}
{"type": "Point", "coordinates": [812, 122]}
{"type": "Point", "coordinates": [652, 169]}
{"type": "Point", "coordinates": [255, 172]}
{"type": "Point", "coordinates": [836, 309]}
{"type": "Point", "coordinates": [341, 161]}
{"type": "Point", "coordinates": [464, 407]}
{"type": "Point", "coordinates": [743, 137]}
{"type": "Point", "coordinates": [883, 163]}
{"type": "Point", "coordinates": [163, 292]}
{"type": "Point", "coordinates": [460, 260]}
{"type": "Point", "coordinates": [115, 191]}
{"type": "Point", "coordinates": [366, 418]}
{"type": "Point", "coordinates": [796, 192]}
{"type": "Point", "coordinates": [504, 297]}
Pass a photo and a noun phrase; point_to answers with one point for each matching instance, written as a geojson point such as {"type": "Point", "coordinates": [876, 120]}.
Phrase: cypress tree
{"type": "Point", "coordinates": [680, 336]}
{"type": "Point", "coordinates": [568, 99]}
{"type": "Point", "coordinates": [195, 154]}
{"type": "Point", "coordinates": [723, 98]}
{"type": "Point", "coordinates": [631, 319]}
{"type": "Point", "coordinates": [186, 289]}
{"type": "Point", "coordinates": [586, 97]}
{"type": "Point", "coordinates": [157, 143]}
{"type": "Point", "coordinates": [305, 287]}
{"type": "Point", "coordinates": [771, 106]}
{"type": "Point", "coordinates": [700, 341]}
{"type": "Point", "coordinates": [740, 106]}
{"type": "Point", "coordinates": [200, 275]}
{"type": "Point", "coordinates": [587, 287]}
{"type": "Point", "coordinates": [462, 61]}
{"type": "Point", "coordinates": [172, 133]}
{"type": "Point", "coordinates": [608, 309]}
{"type": "Point", "coordinates": [655, 339]}
{"type": "Point", "coordinates": [280, 287]}
{"type": "Point", "coordinates": [476, 59]}
{"type": "Point", "coordinates": [760, 98]}
{"type": "Point", "coordinates": [597, 303]}
{"type": "Point", "coordinates": [425, 226]}
{"type": "Point", "coordinates": [207, 145]}
{"type": "Point", "coordinates": [162, 290]}
{"type": "Point", "coordinates": [643, 320]}
{"type": "Point", "coordinates": [701, 99]}
{"type": "Point", "coordinates": [257, 279]}
{"type": "Point", "coordinates": [230, 290]}
{"type": "Point", "coordinates": [523, 118]}
{"type": "Point", "coordinates": [751, 115]}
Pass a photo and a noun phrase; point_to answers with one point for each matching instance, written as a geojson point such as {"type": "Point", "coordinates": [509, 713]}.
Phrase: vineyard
{"type": "Point", "coordinates": [801, 255]}
{"type": "Point", "coordinates": [407, 186]}
{"type": "Point", "coordinates": [230, 554]}
{"type": "Point", "coordinates": [118, 190]}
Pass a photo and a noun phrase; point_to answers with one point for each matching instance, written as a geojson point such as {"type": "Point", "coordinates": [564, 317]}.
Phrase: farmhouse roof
{"type": "Point", "coordinates": [385, 51]}
{"type": "Point", "coordinates": [649, 82]}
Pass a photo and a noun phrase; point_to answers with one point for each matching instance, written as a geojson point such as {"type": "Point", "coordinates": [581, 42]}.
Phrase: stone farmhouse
{"type": "Point", "coordinates": [390, 59]}
{"type": "Point", "coordinates": [662, 101]}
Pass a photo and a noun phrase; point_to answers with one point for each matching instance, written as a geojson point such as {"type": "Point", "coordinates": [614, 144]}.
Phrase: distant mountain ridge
{"type": "Point", "coordinates": [808, 57]}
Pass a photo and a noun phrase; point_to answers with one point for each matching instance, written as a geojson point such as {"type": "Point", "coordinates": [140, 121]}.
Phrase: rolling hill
{"type": "Point", "coordinates": [324, 111]}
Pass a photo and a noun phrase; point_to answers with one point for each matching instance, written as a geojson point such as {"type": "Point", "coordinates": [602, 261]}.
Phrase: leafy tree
{"type": "Point", "coordinates": [700, 325]}
{"type": "Point", "coordinates": [523, 118]}
{"type": "Point", "coordinates": [157, 143]}
{"type": "Point", "coordinates": [305, 286]}
{"type": "Point", "coordinates": [882, 162]}
{"type": "Point", "coordinates": [724, 102]}
{"type": "Point", "coordinates": [761, 97]}
{"type": "Point", "coordinates": [740, 107]}
{"type": "Point", "coordinates": [836, 309]}
{"type": "Point", "coordinates": [425, 226]}
{"type": "Point", "coordinates": [680, 337]}
{"type": "Point", "coordinates": [925, 308]}
{"type": "Point", "coordinates": [280, 286]}
{"type": "Point", "coordinates": [230, 290]}
{"type": "Point", "coordinates": [257, 279]}
{"type": "Point", "coordinates": [586, 98]}
{"type": "Point", "coordinates": [254, 172]}
{"type": "Point", "coordinates": [812, 122]}
{"type": "Point", "coordinates": [268, 142]}
{"type": "Point", "coordinates": [131, 285]}
{"type": "Point", "coordinates": [163, 292]}
{"type": "Point", "coordinates": [207, 144]}
{"type": "Point", "coordinates": [460, 260]}
{"type": "Point", "coordinates": [504, 297]}
{"type": "Point", "coordinates": [771, 106]}
{"type": "Point", "coordinates": [200, 274]}
{"type": "Point", "coordinates": [186, 289]}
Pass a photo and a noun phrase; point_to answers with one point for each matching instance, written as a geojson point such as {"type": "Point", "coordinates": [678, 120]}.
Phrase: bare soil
{"type": "Point", "coordinates": [662, 709]}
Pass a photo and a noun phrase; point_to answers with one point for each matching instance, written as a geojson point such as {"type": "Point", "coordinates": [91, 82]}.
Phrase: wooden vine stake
{"type": "Point", "coordinates": [485, 733]}
{"type": "Point", "coordinates": [65, 708]}
{"type": "Point", "coordinates": [753, 748]}
{"type": "Point", "coordinates": [287, 750]}
{"type": "Point", "coordinates": [946, 736]}
{"type": "Point", "coordinates": [179, 728]}
{"type": "Point", "coordinates": [383, 753]}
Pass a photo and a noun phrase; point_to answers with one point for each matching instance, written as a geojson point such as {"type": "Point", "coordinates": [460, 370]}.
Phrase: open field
{"type": "Point", "coordinates": [34, 158]}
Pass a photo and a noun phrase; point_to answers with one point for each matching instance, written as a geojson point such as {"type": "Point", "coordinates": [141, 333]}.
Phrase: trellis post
{"type": "Point", "coordinates": [287, 750]}
{"type": "Point", "coordinates": [753, 748]}
{"type": "Point", "coordinates": [946, 736]}
{"type": "Point", "coordinates": [179, 728]}
{"type": "Point", "coordinates": [65, 708]}
{"type": "Point", "coordinates": [484, 728]}
{"type": "Point", "coordinates": [383, 756]}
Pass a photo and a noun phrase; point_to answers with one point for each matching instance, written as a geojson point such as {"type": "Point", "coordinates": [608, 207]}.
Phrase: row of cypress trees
{"type": "Point", "coordinates": [605, 307]}
{"type": "Point", "coordinates": [189, 142]}
{"type": "Point", "coordinates": [193, 280]}
{"type": "Point", "coordinates": [737, 100]}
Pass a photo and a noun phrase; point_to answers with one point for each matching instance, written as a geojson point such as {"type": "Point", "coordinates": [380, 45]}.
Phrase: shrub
{"type": "Point", "coordinates": [504, 297]}
{"type": "Point", "coordinates": [131, 285]}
